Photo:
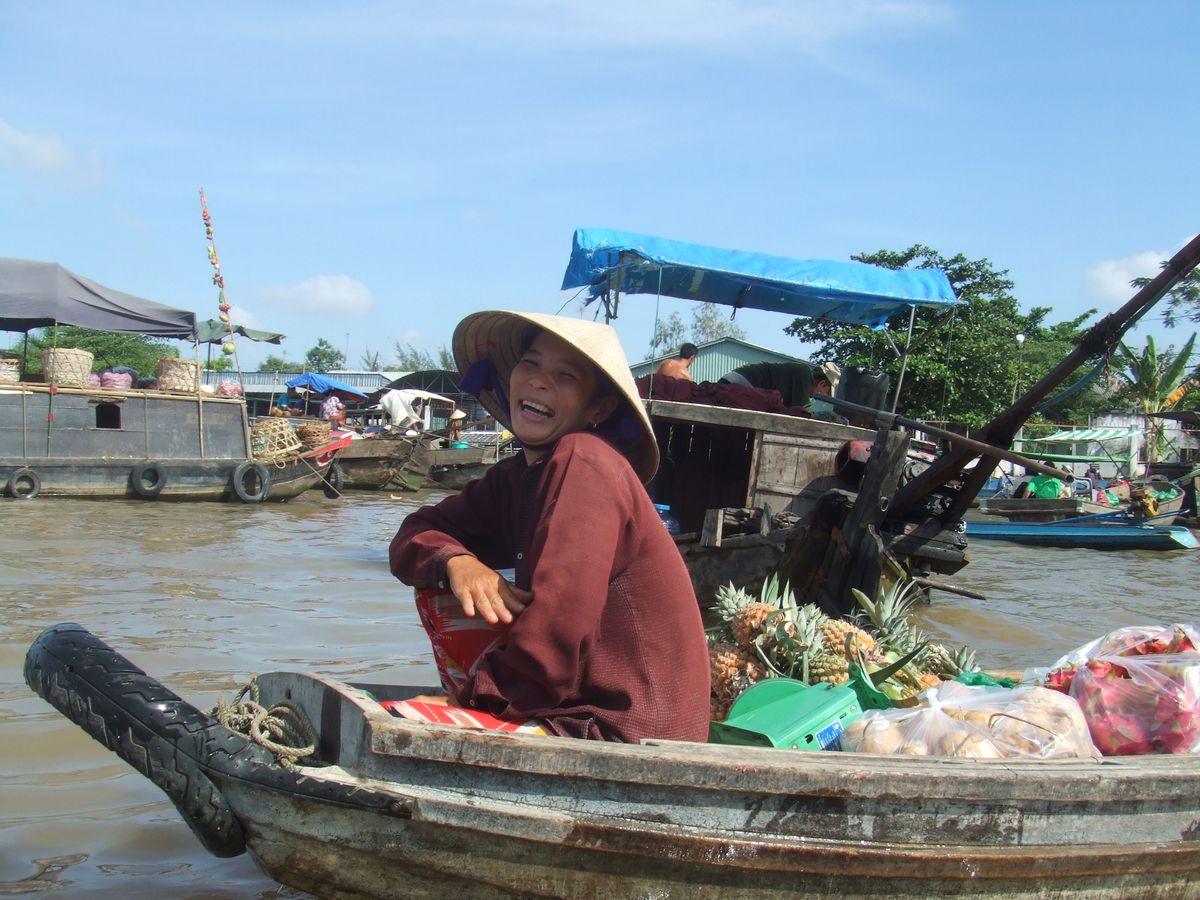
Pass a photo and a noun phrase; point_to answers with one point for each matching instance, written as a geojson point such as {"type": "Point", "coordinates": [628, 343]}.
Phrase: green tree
{"type": "Point", "coordinates": [324, 357]}
{"type": "Point", "coordinates": [711, 322]}
{"type": "Point", "coordinates": [371, 362]}
{"type": "Point", "coordinates": [109, 349]}
{"type": "Point", "coordinates": [1182, 301]}
{"type": "Point", "coordinates": [410, 359]}
{"type": "Point", "coordinates": [275, 363]}
{"type": "Point", "coordinates": [220, 363]}
{"type": "Point", "coordinates": [1157, 383]}
{"type": "Point", "coordinates": [669, 333]}
{"type": "Point", "coordinates": [962, 365]}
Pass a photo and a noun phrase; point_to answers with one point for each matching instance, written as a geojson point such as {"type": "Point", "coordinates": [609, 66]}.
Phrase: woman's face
{"type": "Point", "coordinates": [552, 393]}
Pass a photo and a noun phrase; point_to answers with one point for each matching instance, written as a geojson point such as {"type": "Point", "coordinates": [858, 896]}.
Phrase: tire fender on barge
{"type": "Point", "coordinates": [24, 484]}
{"type": "Point", "coordinates": [147, 479]}
{"type": "Point", "coordinates": [251, 482]}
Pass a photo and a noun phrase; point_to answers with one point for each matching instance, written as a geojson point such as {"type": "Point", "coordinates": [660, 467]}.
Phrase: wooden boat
{"type": "Point", "coordinates": [394, 808]}
{"type": "Point", "coordinates": [68, 439]}
{"type": "Point", "coordinates": [1087, 532]}
{"type": "Point", "coordinates": [1034, 509]}
{"type": "Point", "coordinates": [105, 444]}
{"type": "Point", "coordinates": [378, 462]}
{"type": "Point", "coordinates": [388, 807]}
{"type": "Point", "coordinates": [451, 468]}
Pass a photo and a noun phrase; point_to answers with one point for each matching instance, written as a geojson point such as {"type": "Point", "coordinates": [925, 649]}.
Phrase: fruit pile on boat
{"type": "Point", "coordinates": [879, 684]}
{"type": "Point", "coordinates": [773, 636]}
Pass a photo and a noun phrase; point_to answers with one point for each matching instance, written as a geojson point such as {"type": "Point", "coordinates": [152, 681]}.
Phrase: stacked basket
{"type": "Point", "coordinates": [10, 371]}
{"type": "Point", "coordinates": [314, 434]}
{"type": "Point", "coordinates": [66, 367]}
{"type": "Point", "coordinates": [178, 376]}
{"type": "Point", "coordinates": [273, 440]}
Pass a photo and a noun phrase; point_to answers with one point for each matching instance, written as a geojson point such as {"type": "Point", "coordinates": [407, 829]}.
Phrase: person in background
{"type": "Point", "coordinates": [333, 411]}
{"type": "Point", "coordinates": [598, 633]}
{"type": "Point", "coordinates": [679, 366]}
{"type": "Point", "coordinates": [454, 429]}
{"type": "Point", "coordinates": [793, 380]}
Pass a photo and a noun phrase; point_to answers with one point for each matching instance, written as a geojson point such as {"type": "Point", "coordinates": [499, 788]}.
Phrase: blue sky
{"type": "Point", "coordinates": [375, 171]}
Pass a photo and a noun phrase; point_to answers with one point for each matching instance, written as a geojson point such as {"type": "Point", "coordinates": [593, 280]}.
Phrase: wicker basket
{"type": "Point", "coordinates": [10, 371]}
{"type": "Point", "coordinates": [178, 376]}
{"type": "Point", "coordinates": [314, 434]}
{"type": "Point", "coordinates": [66, 367]}
{"type": "Point", "coordinates": [273, 440]}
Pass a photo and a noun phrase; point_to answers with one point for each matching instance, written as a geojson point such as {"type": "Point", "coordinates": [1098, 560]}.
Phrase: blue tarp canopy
{"type": "Point", "coordinates": [323, 384]}
{"type": "Point", "coordinates": [851, 292]}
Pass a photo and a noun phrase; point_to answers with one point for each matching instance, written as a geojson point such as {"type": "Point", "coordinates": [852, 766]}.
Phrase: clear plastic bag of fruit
{"type": "Point", "coordinates": [978, 723]}
{"type": "Point", "coordinates": [1139, 688]}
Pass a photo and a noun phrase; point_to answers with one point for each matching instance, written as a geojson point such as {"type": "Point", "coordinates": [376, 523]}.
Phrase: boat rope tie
{"type": "Point", "coordinates": [284, 729]}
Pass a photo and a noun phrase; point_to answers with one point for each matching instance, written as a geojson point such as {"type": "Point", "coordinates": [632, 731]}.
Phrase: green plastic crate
{"type": "Point", "coordinates": [782, 712]}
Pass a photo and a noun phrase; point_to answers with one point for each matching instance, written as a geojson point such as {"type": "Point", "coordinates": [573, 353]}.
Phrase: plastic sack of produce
{"type": "Point", "coordinates": [1139, 688]}
{"type": "Point", "coordinates": [978, 723]}
{"type": "Point", "coordinates": [229, 389]}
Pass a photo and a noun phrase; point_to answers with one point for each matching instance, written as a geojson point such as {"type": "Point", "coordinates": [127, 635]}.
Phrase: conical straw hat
{"type": "Point", "coordinates": [498, 337]}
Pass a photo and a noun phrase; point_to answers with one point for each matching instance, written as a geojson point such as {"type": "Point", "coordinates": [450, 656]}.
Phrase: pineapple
{"type": "Point", "coordinates": [888, 616]}
{"type": "Point", "coordinates": [749, 621]}
{"type": "Point", "coordinates": [840, 635]}
{"type": "Point", "coordinates": [792, 641]}
{"type": "Point", "coordinates": [729, 600]}
{"type": "Point", "coordinates": [948, 663]}
{"type": "Point", "coordinates": [733, 670]}
{"type": "Point", "coordinates": [831, 667]}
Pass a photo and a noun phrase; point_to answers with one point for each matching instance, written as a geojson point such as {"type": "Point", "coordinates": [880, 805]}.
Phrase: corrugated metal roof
{"type": "Point", "coordinates": [714, 359]}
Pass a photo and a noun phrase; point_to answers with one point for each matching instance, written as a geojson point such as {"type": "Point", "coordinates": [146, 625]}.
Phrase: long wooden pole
{"type": "Point", "coordinates": [1101, 339]}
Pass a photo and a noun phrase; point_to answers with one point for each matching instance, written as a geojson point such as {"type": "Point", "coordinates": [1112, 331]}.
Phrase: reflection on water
{"type": "Point", "coordinates": [204, 595]}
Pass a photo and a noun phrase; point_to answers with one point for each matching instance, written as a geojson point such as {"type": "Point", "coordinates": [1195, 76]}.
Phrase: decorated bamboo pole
{"type": "Point", "coordinates": [229, 346]}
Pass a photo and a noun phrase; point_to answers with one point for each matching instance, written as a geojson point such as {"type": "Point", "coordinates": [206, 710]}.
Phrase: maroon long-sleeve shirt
{"type": "Point", "coordinates": [612, 644]}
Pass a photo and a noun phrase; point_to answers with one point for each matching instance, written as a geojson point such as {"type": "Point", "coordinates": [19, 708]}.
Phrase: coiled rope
{"type": "Point", "coordinates": [284, 729]}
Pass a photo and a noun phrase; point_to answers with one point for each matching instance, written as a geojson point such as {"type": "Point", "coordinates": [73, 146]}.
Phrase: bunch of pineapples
{"type": "Point", "coordinates": [773, 636]}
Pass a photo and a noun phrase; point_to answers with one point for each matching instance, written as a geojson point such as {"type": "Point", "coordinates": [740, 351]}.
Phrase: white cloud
{"type": "Point", "coordinates": [332, 295]}
{"type": "Point", "coordinates": [1110, 279]}
{"type": "Point", "coordinates": [239, 315]}
{"type": "Point", "coordinates": [28, 151]}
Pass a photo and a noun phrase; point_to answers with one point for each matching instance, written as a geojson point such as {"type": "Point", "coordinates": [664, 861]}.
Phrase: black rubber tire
{"type": "Point", "coordinates": [333, 481]}
{"type": "Point", "coordinates": [147, 725]}
{"type": "Point", "coordinates": [147, 479]}
{"type": "Point", "coordinates": [240, 478]}
{"type": "Point", "coordinates": [24, 484]}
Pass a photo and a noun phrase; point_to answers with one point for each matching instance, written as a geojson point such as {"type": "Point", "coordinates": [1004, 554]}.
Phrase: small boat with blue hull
{"type": "Point", "coordinates": [1088, 532]}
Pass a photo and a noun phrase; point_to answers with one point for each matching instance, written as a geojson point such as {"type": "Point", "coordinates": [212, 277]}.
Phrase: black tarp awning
{"type": "Point", "coordinates": [39, 294]}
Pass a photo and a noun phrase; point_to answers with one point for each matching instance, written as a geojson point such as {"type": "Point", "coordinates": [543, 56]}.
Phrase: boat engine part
{"type": "Point", "coordinates": [24, 484]}
{"type": "Point", "coordinates": [251, 482]}
{"type": "Point", "coordinates": [147, 479]}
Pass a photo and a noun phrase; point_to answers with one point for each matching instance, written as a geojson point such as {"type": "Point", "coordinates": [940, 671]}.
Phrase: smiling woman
{"type": "Point", "coordinates": [598, 634]}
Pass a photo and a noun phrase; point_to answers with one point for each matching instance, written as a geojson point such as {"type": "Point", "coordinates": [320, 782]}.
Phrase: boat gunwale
{"type": "Point", "coordinates": [701, 766]}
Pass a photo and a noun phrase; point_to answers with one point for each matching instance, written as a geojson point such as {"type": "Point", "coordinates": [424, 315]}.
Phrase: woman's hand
{"type": "Point", "coordinates": [481, 589]}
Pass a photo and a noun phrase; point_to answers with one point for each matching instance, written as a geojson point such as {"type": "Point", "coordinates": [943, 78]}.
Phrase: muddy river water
{"type": "Point", "coordinates": [204, 595]}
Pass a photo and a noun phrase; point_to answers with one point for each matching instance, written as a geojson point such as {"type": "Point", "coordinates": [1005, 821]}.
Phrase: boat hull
{"type": "Point", "coordinates": [376, 463]}
{"type": "Point", "coordinates": [95, 444]}
{"type": "Point", "coordinates": [1095, 537]}
{"type": "Point", "coordinates": [1028, 509]}
{"type": "Point", "coordinates": [402, 808]}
